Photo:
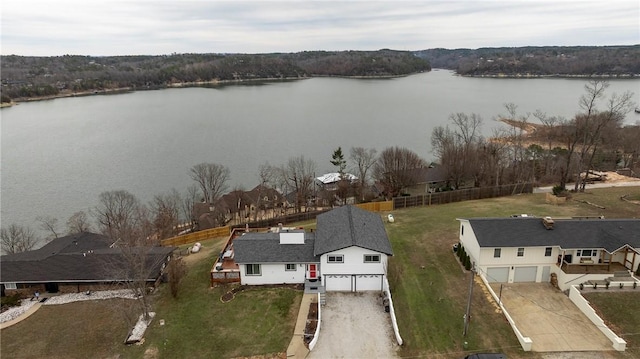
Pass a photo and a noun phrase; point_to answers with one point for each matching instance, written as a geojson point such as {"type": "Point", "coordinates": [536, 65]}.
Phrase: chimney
{"type": "Point", "coordinates": [547, 222]}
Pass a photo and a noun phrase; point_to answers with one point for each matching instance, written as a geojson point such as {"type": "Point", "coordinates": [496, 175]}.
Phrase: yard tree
{"type": "Point", "coordinates": [344, 184]}
{"type": "Point", "coordinates": [165, 212]}
{"type": "Point", "coordinates": [393, 169]}
{"type": "Point", "coordinates": [298, 175]}
{"type": "Point", "coordinates": [337, 159]}
{"type": "Point", "coordinates": [16, 239]}
{"type": "Point", "coordinates": [129, 224]}
{"type": "Point", "coordinates": [78, 223]}
{"type": "Point", "coordinates": [212, 179]}
{"type": "Point", "coordinates": [121, 216]}
{"type": "Point", "coordinates": [267, 173]}
{"type": "Point", "coordinates": [49, 224]}
{"type": "Point", "coordinates": [363, 159]}
{"type": "Point", "coordinates": [457, 147]}
{"type": "Point", "coordinates": [186, 204]}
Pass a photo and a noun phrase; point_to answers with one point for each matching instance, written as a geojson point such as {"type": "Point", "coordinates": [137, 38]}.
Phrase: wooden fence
{"type": "Point", "coordinates": [462, 195]}
{"type": "Point", "coordinates": [376, 206]}
{"type": "Point", "coordinates": [197, 236]}
{"type": "Point", "coordinates": [396, 203]}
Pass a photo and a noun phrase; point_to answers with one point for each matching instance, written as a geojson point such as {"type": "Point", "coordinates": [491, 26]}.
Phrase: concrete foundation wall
{"type": "Point", "coordinates": [619, 344]}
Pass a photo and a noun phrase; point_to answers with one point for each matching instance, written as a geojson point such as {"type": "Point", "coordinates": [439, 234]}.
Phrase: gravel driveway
{"type": "Point", "coordinates": [355, 325]}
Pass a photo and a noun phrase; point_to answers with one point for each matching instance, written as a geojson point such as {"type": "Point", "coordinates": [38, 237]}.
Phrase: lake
{"type": "Point", "coordinates": [59, 155]}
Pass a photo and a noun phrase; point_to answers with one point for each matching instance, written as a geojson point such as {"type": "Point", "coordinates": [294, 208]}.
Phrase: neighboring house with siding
{"type": "Point", "coordinates": [75, 263]}
{"type": "Point", "coordinates": [348, 252]}
{"type": "Point", "coordinates": [529, 249]}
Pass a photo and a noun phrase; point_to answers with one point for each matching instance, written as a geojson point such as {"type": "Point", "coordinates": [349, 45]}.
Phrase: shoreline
{"type": "Point", "coordinates": [215, 82]}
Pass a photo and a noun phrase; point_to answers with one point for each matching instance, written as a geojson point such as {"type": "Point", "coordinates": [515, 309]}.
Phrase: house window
{"type": "Point", "coordinates": [290, 267]}
{"type": "Point", "coordinates": [547, 252]}
{"type": "Point", "coordinates": [10, 286]}
{"type": "Point", "coordinates": [338, 258]}
{"type": "Point", "coordinates": [372, 258]}
{"type": "Point", "coordinates": [252, 269]}
{"type": "Point", "coordinates": [497, 252]}
{"type": "Point", "coordinates": [462, 230]}
{"type": "Point", "coordinates": [587, 253]}
{"type": "Point", "coordinates": [520, 252]}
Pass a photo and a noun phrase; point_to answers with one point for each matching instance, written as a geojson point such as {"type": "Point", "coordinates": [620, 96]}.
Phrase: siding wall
{"type": "Point", "coordinates": [353, 262]}
{"type": "Point", "coordinates": [274, 273]}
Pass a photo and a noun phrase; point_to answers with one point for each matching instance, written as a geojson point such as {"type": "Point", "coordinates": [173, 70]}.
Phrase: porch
{"type": "Point", "coordinates": [592, 268]}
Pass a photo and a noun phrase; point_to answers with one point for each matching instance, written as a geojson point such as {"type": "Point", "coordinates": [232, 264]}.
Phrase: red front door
{"type": "Point", "coordinates": [313, 272]}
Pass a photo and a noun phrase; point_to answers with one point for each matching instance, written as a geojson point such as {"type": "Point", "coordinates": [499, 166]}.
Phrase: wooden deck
{"type": "Point", "coordinates": [595, 268]}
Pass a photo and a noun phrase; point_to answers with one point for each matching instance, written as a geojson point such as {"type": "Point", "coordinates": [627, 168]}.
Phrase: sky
{"type": "Point", "coordinates": [157, 27]}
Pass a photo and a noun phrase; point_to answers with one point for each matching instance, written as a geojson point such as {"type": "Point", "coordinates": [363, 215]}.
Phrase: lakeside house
{"type": "Point", "coordinates": [348, 251]}
{"type": "Point", "coordinates": [76, 263]}
{"type": "Point", "coordinates": [530, 249]}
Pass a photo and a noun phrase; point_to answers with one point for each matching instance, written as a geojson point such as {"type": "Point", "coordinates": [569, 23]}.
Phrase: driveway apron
{"type": "Point", "coordinates": [550, 319]}
{"type": "Point", "coordinates": [354, 325]}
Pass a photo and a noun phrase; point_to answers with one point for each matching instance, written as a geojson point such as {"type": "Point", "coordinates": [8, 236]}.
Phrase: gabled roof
{"type": "Point", "coordinates": [608, 234]}
{"type": "Point", "coordinates": [80, 257]}
{"type": "Point", "coordinates": [256, 247]}
{"type": "Point", "coordinates": [351, 226]}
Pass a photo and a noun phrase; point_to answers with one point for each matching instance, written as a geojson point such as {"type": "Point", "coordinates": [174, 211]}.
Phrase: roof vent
{"type": "Point", "coordinates": [547, 222]}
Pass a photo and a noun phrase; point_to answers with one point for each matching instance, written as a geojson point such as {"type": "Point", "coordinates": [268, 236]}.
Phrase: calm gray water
{"type": "Point", "coordinates": [58, 155]}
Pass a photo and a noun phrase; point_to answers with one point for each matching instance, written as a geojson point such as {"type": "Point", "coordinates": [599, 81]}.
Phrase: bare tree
{"type": "Point", "coordinates": [186, 205]}
{"type": "Point", "coordinates": [165, 212]}
{"type": "Point", "coordinates": [16, 239]}
{"type": "Point", "coordinates": [457, 148]}
{"type": "Point", "coordinates": [583, 134]}
{"type": "Point", "coordinates": [363, 159]}
{"type": "Point", "coordinates": [267, 173]}
{"type": "Point", "coordinates": [298, 175]}
{"type": "Point", "coordinates": [49, 224]}
{"type": "Point", "coordinates": [78, 223]}
{"type": "Point", "coordinates": [176, 270]}
{"type": "Point", "coordinates": [393, 169]}
{"type": "Point", "coordinates": [125, 220]}
{"type": "Point", "coordinates": [121, 216]}
{"type": "Point", "coordinates": [212, 179]}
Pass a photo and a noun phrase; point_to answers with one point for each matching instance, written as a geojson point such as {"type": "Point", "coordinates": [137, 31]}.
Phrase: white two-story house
{"type": "Point", "coordinates": [348, 252]}
{"type": "Point", "coordinates": [529, 249]}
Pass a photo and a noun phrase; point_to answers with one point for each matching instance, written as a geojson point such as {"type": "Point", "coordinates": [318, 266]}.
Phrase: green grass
{"type": "Point", "coordinates": [430, 289]}
{"type": "Point", "coordinates": [429, 301]}
{"type": "Point", "coordinates": [621, 312]}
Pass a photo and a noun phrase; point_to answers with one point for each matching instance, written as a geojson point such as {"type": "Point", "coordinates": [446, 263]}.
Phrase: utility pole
{"type": "Point", "coordinates": [468, 314]}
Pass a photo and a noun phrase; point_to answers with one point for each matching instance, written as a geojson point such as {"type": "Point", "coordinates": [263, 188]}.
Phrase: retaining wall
{"type": "Point", "coordinates": [619, 344]}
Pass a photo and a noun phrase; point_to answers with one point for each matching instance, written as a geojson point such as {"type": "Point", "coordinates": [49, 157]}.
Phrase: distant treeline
{"type": "Point", "coordinates": [25, 77]}
{"type": "Point", "coordinates": [28, 77]}
{"type": "Point", "coordinates": [602, 61]}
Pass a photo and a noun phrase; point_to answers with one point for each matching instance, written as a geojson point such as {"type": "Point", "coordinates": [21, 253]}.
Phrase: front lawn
{"type": "Point", "coordinates": [621, 312]}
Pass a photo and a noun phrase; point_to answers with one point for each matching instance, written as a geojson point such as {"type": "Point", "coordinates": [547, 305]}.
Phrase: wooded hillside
{"type": "Point", "coordinates": [615, 61]}
{"type": "Point", "coordinates": [28, 77]}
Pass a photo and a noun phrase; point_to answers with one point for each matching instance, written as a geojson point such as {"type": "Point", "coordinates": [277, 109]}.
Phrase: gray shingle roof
{"type": "Point", "coordinates": [609, 234]}
{"type": "Point", "coordinates": [351, 226]}
{"type": "Point", "coordinates": [266, 248]}
{"type": "Point", "coordinates": [80, 257]}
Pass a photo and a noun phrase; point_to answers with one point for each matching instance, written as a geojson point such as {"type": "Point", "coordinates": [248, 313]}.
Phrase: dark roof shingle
{"type": "Point", "coordinates": [266, 248]}
{"type": "Point", "coordinates": [609, 234]}
{"type": "Point", "coordinates": [351, 226]}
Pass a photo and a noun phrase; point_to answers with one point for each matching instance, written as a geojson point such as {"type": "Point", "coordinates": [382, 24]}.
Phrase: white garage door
{"type": "Point", "coordinates": [338, 282]}
{"type": "Point", "coordinates": [498, 274]}
{"type": "Point", "coordinates": [368, 282]}
{"type": "Point", "coordinates": [525, 274]}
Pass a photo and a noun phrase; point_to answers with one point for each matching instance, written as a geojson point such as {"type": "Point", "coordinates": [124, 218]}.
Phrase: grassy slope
{"type": "Point", "coordinates": [429, 302]}
{"type": "Point", "coordinates": [621, 311]}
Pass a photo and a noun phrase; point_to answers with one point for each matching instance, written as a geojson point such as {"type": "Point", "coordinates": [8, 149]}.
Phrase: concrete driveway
{"type": "Point", "coordinates": [550, 319]}
{"type": "Point", "coordinates": [354, 325]}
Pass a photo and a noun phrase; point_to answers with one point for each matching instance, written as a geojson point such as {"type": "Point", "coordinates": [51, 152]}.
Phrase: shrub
{"type": "Point", "coordinates": [10, 301]}
{"type": "Point", "coordinates": [559, 190]}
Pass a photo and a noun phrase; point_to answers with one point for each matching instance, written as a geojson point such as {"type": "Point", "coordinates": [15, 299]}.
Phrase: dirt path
{"type": "Point", "coordinates": [354, 325]}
